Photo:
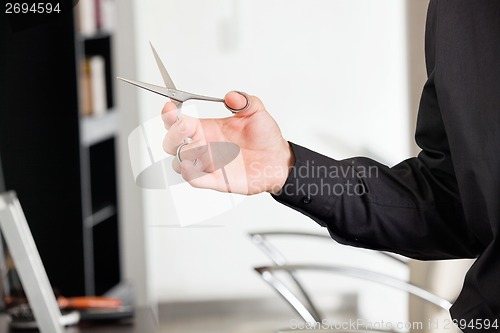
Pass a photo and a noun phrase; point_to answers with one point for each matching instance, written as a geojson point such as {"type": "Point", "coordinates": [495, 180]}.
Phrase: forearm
{"type": "Point", "coordinates": [363, 203]}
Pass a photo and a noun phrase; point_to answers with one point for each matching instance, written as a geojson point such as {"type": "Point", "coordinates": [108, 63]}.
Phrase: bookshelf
{"type": "Point", "coordinates": [97, 129]}
{"type": "Point", "coordinates": [59, 159]}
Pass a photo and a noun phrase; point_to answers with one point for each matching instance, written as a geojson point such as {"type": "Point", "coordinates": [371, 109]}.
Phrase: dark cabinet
{"type": "Point", "coordinates": [61, 163]}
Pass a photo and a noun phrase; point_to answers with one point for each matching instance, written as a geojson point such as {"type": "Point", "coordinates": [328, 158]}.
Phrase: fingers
{"type": "Point", "coordinates": [188, 127]}
{"type": "Point", "coordinates": [197, 153]}
{"type": "Point", "coordinates": [200, 167]}
{"type": "Point", "coordinates": [169, 114]}
{"type": "Point", "coordinates": [229, 178]}
{"type": "Point", "coordinates": [196, 177]}
{"type": "Point", "coordinates": [197, 166]}
{"type": "Point", "coordinates": [193, 172]}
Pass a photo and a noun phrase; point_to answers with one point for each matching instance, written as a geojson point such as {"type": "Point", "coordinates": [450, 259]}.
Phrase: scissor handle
{"type": "Point", "coordinates": [183, 96]}
{"type": "Point", "coordinates": [242, 109]}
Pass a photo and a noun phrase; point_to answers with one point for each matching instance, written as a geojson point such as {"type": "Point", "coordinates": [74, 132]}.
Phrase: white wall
{"type": "Point", "coordinates": [132, 228]}
{"type": "Point", "coordinates": [334, 75]}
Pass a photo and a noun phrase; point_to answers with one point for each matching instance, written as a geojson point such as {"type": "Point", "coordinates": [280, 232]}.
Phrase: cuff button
{"type": "Point", "coordinates": [306, 200]}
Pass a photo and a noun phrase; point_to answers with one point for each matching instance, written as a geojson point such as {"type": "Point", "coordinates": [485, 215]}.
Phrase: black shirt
{"type": "Point", "coordinates": [445, 203]}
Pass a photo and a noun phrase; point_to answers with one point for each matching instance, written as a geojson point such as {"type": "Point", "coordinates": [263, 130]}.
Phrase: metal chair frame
{"type": "Point", "coordinates": [306, 308]}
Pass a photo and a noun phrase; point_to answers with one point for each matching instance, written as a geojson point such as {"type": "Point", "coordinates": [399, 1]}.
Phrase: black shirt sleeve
{"type": "Point", "coordinates": [445, 202]}
{"type": "Point", "coordinates": [405, 209]}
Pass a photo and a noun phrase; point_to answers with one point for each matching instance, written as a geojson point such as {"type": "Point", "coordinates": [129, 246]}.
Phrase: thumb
{"type": "Point", "coordinates": [240, 101]}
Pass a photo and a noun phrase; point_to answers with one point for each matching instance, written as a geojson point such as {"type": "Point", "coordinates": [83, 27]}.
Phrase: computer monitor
{"type": "Point", "coordinates": [29, 266]}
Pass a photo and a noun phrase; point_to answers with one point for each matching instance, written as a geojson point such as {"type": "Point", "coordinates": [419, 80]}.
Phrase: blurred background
{"type": "Point", "coordinates": [342, 77]}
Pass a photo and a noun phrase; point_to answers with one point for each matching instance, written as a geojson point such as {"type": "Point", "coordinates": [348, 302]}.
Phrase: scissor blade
{"type": "Point", "coordinates": [151, 87]}
{"type": "Point", "coordinates": [164, 74]}
{"type": "Point", "coordinates": [166, 77]}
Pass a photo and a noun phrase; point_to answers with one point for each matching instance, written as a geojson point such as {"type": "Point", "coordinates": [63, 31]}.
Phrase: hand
{"type": "Point", "coordinates": [265, 156]}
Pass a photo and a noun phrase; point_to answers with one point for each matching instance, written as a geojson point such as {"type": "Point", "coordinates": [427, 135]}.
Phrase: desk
{"type": "Point", "coordinates": [143, 322]}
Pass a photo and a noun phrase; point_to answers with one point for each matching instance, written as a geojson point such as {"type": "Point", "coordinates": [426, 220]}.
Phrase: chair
{"type": "Point", "coordinates": [300, 300]}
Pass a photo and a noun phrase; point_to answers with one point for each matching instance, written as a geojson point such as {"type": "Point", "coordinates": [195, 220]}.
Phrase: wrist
{"type": "Point", "coordinates": [287, 159]}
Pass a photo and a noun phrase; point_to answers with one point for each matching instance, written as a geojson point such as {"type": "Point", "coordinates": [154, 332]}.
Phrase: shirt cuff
{"type": "Point", "coordinates": [314, 184]}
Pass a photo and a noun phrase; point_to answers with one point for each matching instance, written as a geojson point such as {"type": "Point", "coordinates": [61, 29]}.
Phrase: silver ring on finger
{"type": "Point", "coordinates": [185, 142]}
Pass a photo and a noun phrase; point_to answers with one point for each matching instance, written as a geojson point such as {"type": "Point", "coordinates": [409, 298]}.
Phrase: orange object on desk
{"type": "Point", "coordinates": [89, 302]}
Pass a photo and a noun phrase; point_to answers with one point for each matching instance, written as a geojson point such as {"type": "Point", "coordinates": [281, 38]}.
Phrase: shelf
{"type": "Point", "coordinates": [95, 129]}
{"type": "Point", "coordinates": [98, 35]}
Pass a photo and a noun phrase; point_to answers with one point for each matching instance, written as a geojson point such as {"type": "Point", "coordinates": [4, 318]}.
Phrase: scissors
{"type": "Point", "coordinates": [178, 96]}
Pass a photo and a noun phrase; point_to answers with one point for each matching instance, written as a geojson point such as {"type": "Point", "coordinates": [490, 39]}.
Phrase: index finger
{"type": "Point", "coordinates": [169, 114]}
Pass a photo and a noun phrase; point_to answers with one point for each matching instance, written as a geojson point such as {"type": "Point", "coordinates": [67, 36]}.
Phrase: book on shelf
{"type": "Point", "coordinates": [85, 89]}
{"type": "Point", "coordinates": [87, 25]}
{"type": "Point", "coordinates": [93, 99]}
{"type": "Point", "coordinates": [95, 16]}
{"type": "Point", "coordinates": [106, 15]}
